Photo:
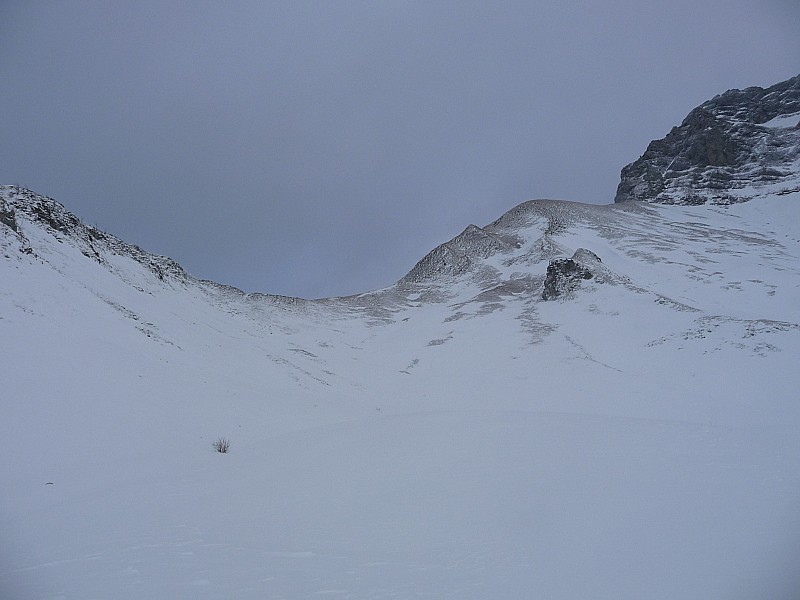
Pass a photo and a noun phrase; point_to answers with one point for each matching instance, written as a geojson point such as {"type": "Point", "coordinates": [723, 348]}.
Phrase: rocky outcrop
{"type": "Point", "coordinates": [564, 275]}
{"type": "Point", "coordinates": [7, 216]}
{"type": "Point", "coordinates": [737, 146]}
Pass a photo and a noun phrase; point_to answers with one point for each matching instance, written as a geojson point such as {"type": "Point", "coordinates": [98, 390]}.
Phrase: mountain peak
{"type": "Point", "coordinates": [737, 146]}
{"type": "Point", "coordinates": [21, 209]}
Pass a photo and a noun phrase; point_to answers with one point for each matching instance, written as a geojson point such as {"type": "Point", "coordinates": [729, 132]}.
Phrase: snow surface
{"type": "Point", "coordinates": [784, 121]}
{"type": "Point", "coordinates": [451, 438]}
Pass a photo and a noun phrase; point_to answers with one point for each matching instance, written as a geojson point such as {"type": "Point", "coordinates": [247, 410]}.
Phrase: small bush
{"type": "Point", "coordinates": [221, 445]}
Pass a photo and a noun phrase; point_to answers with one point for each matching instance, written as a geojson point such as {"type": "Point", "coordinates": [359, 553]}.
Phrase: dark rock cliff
{"type": "Point", "coordinates": [737, 146]}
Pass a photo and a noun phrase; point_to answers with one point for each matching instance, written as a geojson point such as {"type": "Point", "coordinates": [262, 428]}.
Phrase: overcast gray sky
{"type": "Point", "coordinates": [322, 148]}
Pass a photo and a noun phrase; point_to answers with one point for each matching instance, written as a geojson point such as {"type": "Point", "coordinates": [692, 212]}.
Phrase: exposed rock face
{"type": "Point", "coordinates": [7, 216]}
{"type": "Point", "coordinates": [19, 206]}
{"type": "Point", "coordinates": [737, 146]}
{"type": "Point", "coordinates": [565, 274]}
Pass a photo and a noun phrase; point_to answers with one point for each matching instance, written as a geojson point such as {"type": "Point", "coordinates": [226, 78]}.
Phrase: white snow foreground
{"type": "Point", "coordinates": [453, 436]}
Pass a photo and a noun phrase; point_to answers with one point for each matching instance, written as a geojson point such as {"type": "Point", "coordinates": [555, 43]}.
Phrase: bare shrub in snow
{"type": "Point", "coordinates": [222, 445]}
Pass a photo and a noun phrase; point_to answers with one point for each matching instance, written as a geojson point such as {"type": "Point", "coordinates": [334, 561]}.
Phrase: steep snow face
{"type": "Point", "coordinates": [740, 145]}
{"type": "Point", "coordinates": [453, 435]}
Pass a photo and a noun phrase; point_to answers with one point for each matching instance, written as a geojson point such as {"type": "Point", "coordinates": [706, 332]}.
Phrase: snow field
{"type": "Point", "coordinates": [638, 442]}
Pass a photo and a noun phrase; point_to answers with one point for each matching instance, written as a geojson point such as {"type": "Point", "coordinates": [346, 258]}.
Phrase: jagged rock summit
{"type": "Point", "coordinates": [737, 146]}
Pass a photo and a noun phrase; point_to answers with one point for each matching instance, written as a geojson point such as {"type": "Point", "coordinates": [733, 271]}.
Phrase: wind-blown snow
{"type": "Point", "coordinates": [451, 436]}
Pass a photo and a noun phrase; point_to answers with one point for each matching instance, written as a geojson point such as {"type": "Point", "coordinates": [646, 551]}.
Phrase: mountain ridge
{"type": "Point", "coordinates": [573, 397]}
{"type": "Point", "coordinates": [720, 154]}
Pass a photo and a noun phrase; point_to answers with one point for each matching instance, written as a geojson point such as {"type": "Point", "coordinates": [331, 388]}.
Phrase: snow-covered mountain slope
{"type": "Point", "coordinates": [454, 435]}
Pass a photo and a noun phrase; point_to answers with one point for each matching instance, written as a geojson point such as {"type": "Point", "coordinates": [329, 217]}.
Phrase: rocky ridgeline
{"type": "Point", "coordinates": [735, 147]}
{"type": "Point", "coordinates": [19, 205]}
{"type": "Point", "coordinates": [457, 256]}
